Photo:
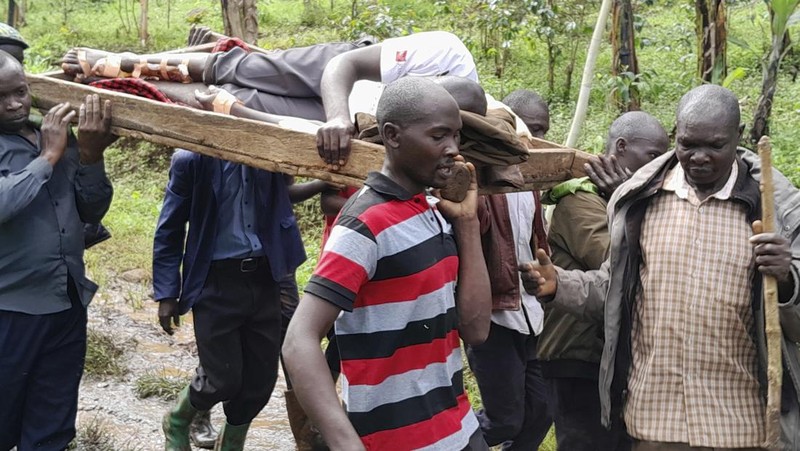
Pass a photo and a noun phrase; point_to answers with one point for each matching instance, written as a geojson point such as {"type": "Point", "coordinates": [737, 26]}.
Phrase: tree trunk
{"type": "Point", "coordinates": [623, 48]}
{"type": "Point", "coordinates": [16, 12]}
{"type": "Point", "coordinates": [241, 19]}
{"type": "Point", "coordinates": [588, 74]}
{"type": "Point", "coordinates": [769, 82]}
{"type": "Point", "coordinates": [551, 67]}
{"type": "Point", "coordinates": [144, 7]}
{"type": "Point", "coordinates": [712, 40]}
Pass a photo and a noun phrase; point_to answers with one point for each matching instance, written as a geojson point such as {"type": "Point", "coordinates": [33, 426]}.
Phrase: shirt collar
{"type": "Point", "coordinates": [676, 182]}
{"type": "Point", "coordinates": [384, 185]}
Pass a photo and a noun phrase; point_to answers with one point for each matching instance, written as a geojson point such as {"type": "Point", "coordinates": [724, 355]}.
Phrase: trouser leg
{"type": "Point", "coordinates": [52, 400]}
{"type": "Point", "coordinates": [21, 337]}
{"type": "Point", "coordinates": [41, 364]}
{"type": "Point", "coordinates": [260, 341]}
{"type": "Point", "coordinates": [537, 417]}
{"type": "Point", "coordinates": [294, 72]}
{"type": "Point", "coordinates": [499, 368]}
{"type": "Point", "coordinates": [218, 314]}
{"type": "Point", "coordinates": [576, 411]}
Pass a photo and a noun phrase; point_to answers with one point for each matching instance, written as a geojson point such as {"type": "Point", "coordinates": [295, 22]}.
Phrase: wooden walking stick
{"type": "Point", "coordinates": [773, 325]}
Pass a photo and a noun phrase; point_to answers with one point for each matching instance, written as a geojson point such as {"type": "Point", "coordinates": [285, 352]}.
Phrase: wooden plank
{"type": "Point", "coordinates": [263, 145]}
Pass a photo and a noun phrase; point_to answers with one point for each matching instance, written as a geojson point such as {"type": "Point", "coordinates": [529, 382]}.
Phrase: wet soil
{"type": "Point", "coordinates": [123, 310]}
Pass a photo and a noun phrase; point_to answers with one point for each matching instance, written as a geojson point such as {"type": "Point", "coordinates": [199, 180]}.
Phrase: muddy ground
{"type": "Point", "coordinates": [123, 310]}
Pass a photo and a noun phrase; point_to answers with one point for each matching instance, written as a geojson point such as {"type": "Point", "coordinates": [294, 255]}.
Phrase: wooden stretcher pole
{"type": "Point", "coordinates": [773, 325]}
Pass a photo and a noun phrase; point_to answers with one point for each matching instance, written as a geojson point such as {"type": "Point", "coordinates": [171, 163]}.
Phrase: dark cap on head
{"type": "Point", "coordinates": [402, 101]}
{"type": "Point", "coordinates": [9, 35]}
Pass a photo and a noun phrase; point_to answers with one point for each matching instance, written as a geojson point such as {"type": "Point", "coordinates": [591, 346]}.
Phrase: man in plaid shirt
{"type": "Point", "coordinates": [684, 360]}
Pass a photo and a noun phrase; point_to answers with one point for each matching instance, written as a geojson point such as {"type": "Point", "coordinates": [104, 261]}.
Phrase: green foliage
{"type": "Point", "coordinates": [736, 74]}
{"type": "Point", "coordinates": [782, 11]}
{"type": "Point", "coordinates": [104, 355]}
{"type": "Point", "coordinates": [139, 173]}
{"type": "Point", "coordinates": [620, 88]}
{"type": "Point", "coordinates": [160, 386]}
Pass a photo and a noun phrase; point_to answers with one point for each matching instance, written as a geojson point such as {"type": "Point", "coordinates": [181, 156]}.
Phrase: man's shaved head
{"type": "Point", "coordinates": [9, 62]}
{"type": "Point", "coordinates": [635, 139]}
{"type": "Point", "coordinates": [469, 95]}
{"type": "Point", "coordinates": [707, 132]}
{"type": "Point", "coordinates": [532, 109]}
{"type": "Point", "coordinates": [420, 125]}
{"type": "Point", "coordinates": [709, 101]}
{"type": "Point", "coordinates": [402, 101]}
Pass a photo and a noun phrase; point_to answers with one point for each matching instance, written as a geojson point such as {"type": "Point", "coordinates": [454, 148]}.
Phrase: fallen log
{"type": "Point", "coordinates": [268, 146]}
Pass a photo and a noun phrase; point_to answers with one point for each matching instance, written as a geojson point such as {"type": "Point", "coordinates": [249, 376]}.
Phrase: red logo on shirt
{"type": "Point", "coordinates": [400, 56]}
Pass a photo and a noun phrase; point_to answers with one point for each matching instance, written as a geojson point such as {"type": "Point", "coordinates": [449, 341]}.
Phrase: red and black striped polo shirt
{"type": "Point", "coordinates": [391, 263]}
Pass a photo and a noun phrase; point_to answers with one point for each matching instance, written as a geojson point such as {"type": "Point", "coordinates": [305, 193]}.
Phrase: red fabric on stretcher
{"type": "Point", "coordinates": [134, 86]}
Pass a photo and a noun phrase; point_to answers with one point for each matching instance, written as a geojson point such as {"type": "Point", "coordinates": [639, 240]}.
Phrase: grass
{"type": "Point", "coordinates": [95, 435]}
{"type": "Point", "coordinates": [104, 356]}
{"type": "Point", "coordinates": [159, 386]}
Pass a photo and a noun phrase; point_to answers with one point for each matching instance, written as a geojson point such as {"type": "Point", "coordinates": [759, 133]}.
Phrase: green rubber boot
{"type": "Point", "coordinates": [176, 423]}
{"type": "Point", "coordinates": [231, 438]}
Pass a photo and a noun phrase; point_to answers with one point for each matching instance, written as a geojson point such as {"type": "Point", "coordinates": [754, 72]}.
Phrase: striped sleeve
{"type": "Point", "coordinates": [347, 262]}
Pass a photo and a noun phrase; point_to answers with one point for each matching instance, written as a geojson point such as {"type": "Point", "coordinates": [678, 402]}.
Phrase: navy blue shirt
{"type": "Point", "coordinates": [237, 228]}
{"type": "Point", "coordinates": [42, 211]}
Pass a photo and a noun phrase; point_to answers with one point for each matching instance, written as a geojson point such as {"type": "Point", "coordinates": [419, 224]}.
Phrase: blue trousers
{"type": "Point", "coordinates": [41, 363]}
{"type": "Point", "coordinates": [515, 395]}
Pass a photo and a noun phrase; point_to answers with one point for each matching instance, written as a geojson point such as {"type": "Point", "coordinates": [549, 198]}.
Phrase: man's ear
{"type": "Point", "coordinates": [391, 134]}
{"type": "Point", "coordinates": [620, 145]}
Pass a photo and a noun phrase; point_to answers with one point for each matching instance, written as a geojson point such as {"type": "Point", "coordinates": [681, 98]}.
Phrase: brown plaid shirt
{"type": "Point", "coordinates": [694, 372]}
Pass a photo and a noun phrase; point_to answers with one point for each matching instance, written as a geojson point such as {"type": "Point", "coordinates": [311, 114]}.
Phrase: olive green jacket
{"type": "Point", "coordinates": [569, 346]}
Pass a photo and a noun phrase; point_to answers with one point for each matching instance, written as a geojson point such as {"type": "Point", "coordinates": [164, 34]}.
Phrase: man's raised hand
{"type": "Point", "coordinates": [333, 142]}
{"type": "Point", "coordinates": [55, 129]}
{"type": "Point", "coordinates": [94, 129]}
{"type": "Point", "coordinates": [467, 208]}
{"type": "Point", "coordinates": [539, 278]}
{"type": "Point", "coordinates": [607, 173]}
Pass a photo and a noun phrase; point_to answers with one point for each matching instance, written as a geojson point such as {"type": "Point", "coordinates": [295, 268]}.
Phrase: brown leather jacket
{"type": "Point", "coordinates": [499, 250]}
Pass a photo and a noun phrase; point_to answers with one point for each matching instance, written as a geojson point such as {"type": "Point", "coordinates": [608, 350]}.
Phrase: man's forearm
{"type": "Point", "coordinates": [473, 293]}
{"type": "Point", "coordinates": [582, 293]}
{"type": "Point", "coordinates": [315, 389]}
{"type": "Point", "coordinates": [303, 191]}
{"type": "Point", "coordinates": [336, 85]}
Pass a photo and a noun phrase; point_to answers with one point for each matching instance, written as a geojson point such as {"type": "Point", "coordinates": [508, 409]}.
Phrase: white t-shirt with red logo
{"type": "Point", "coordinates": [425, 54]}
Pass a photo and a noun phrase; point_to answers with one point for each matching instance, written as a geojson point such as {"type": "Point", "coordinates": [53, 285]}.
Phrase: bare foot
{"type": "Point", "coordinates": [71, 63]}
{"type": "Point", "coordinates": [203, 35]}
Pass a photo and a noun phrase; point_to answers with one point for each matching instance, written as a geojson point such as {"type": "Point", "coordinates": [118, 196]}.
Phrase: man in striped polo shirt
{"type": "Point", "coordinates": [390, 268]}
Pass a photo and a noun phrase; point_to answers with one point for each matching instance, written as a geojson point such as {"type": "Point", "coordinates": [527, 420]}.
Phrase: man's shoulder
{"type": "Point", "coordinates": [362, 203]}
{"type": "Point", "coordinates": [184, 157]}
{"type": "Point", "coordinates": [581, 200]}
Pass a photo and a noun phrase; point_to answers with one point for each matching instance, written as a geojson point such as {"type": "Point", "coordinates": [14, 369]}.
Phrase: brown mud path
{"type": "Point", "coordinates": [112, 404]}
